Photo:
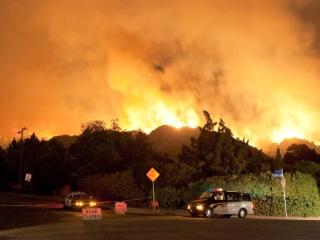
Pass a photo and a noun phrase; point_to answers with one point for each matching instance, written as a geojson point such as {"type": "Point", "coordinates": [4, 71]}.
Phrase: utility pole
{"type": "Point", "coordinates": [21, 154]}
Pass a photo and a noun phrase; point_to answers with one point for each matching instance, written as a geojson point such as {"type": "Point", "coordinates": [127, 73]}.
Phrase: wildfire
{"type": "Point", "coordinates": [295, 123]}
{"type": "Point", "coordinates": [145, 105]}
{"type": "Point", "coordinates": [286, 132]}
{"type": "Point", "coordinates": [188, 118]}
{"type": "Point", "coordinates": [159, 114]}
{"type": "Point", "coordinates": [259, 72]}
{"type": "Point", "coordinates": [46, 136]}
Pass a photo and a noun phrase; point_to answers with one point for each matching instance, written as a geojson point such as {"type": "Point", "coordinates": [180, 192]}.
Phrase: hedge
{"type": "Point", "coordinates": [116, 186]}
{"type": "Point", "coordinates": [301, 192]}
{"type": "Point", "coordinates": [169, 197]}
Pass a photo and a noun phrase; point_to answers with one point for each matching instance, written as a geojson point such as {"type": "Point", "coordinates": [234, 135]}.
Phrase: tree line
{"type": "Point", "coordinates": [101, 151]}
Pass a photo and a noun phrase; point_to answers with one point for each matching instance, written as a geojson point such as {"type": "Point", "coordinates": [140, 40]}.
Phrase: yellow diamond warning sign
{"type": "Point", "coordinates": [152, 174]}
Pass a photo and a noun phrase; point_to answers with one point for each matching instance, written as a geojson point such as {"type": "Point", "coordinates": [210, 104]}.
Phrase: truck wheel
{"type": "Point", "coordinates": [242, 213]}
{"type": "Point", "coordinates": [208, 213]}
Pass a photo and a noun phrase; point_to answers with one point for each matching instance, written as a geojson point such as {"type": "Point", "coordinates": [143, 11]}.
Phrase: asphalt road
{"type": "Point", "coordinates": [19, 211]}
{"type": "Point", "coordinates": [58, 224]}
{"type": "Point", "coordinates": [69, 225]}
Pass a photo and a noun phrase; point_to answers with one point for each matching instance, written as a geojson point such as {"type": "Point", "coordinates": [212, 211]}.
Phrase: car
{"type": "Point", "coordinates": [219, 202]}
{"type": "Point", "coordinates": [79, 200]}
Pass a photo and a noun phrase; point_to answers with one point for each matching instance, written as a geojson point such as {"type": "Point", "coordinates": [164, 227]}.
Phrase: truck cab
{"type": "Point", "coordinates": [219, 202]}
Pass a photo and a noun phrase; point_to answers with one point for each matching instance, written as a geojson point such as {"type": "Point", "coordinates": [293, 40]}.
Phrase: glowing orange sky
{"type": "Point", "coordinates": [253, 63]}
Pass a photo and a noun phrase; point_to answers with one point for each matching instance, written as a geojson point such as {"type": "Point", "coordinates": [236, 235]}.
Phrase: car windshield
{"type": "Point", "coordinates": [81, 196]}
{"type": "Point", "coordinates": [205, 195]}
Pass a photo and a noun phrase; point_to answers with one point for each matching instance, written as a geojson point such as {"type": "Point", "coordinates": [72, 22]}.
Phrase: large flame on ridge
{"type": "Point", "coordinates": [255, 64]}
{"type": "Point", "coordinates": [298, 124]}
{"type": "Point", "coordinates": [146, 106]}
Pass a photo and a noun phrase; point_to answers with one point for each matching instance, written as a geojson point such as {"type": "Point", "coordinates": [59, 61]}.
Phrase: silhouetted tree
{"type": "Point", "coordinates": [299, 157]}
{"type": "Point", "coordinates": [49, 167]}
{"type": "Point", "coordinates": [93, 126]}
{"type": "Point", "coordinates": [277, 162]}
{"type": "Point", "coordinates": [218, 153]}
{"type": "Point", "coordinates": [300, 152]}
{"type": "Point", "coordinates": [13, 163]}
{"type": "Point", "coordinates": [95, 152]}
{"type": "Point", "coordinates": [31, 152]}
{"type": "Point", "coordinates": [47, 161]}
{"type": "Point", "coordinates": [115, 126]}
{"type": "Point", "coordinates": [209, 125]}
{"type": "Point", "coordinates": [2, 166]}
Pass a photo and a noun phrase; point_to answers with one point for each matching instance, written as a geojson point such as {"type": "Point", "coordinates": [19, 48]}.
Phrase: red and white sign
{"type": "Point", "coordinates": [152, 174]}
{"type": "Point", "coordinates": [28, 177]}
{"type": "Point", "coordinates": [154, 205]}
{"type": "Point", "coordinates": [120, 207]}
{"type": "Point", "coordinates": [91, 214]}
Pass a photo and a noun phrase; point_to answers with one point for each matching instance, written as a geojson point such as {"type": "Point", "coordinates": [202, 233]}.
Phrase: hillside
{"type": "Point", "coordinates": [164, 139]}
{"type": "Point", "coordinates": [65, 140]}
{"type": "Point", "coordinates": [272, 148]}
{"type": "Point", "coordinates": [168, 139]}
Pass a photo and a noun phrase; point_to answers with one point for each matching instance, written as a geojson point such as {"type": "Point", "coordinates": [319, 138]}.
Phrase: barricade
{"type": "Point", "coordinates": [121, 208]}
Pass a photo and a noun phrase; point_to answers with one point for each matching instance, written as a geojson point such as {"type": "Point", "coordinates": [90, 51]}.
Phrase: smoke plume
{"type": "Point", "coordinates": [253, 63]}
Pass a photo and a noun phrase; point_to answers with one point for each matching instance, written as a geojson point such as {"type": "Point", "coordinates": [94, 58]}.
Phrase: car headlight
{"type": "Point", "coordinates": [199, 207]}
{"type": "Point", "coordinates": [189, 207]}
{"type": "Point", "coordinates": [79, 204]}
{"type": "Point", "coordinates": [92, 204]}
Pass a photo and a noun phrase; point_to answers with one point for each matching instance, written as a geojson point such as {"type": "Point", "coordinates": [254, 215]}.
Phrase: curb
{"type": "Point", "coordinates": [183, 213]}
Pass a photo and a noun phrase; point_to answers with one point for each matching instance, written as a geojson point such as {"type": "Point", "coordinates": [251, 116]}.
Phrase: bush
{"type": "Point", "coordinates": [116, 186]}
{"type": "Point", "coordinates": [169, 197]}
{"type": "Point", "coordinates": [301, 192]}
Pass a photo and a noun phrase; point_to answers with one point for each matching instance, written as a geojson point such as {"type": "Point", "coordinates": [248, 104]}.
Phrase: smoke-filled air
{"type": "Point", "coordinates": [255, 64]}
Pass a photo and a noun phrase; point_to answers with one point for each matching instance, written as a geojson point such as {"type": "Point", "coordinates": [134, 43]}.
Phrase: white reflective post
{"type": "Point", "coordinates": [283, 184]}
{"type": "Point", "coordinates": [153, 194]}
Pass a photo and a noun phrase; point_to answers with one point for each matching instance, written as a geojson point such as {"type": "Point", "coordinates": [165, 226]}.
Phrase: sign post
{"type": "Point", "coordinates": [152, 174]}
{"type": "Point", "coordinates": [283, 184]}
{"type": "Point", "coordinates": [279, 173]}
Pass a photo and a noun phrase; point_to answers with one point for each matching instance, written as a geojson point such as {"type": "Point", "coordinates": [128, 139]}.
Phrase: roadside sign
{"type": "Point", "coordinates": [121, 208]}
{"type": "Point", "coordinates": [91, 214]}
{"type": "Point", "coordinates": [154, 205]}
{"type": "Point", "coordinates": [277, 173]}
{"type": "Point", "coordinates": [28, 177]}
{"type": "Point", "coordinates": [152, 174]}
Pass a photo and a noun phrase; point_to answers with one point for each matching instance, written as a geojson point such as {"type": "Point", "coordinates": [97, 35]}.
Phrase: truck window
{"type": "Point", "coordinates": [244, 197]}
{"type": "Point", "coordinates": [218, 196]}
{"type": "Point", "coordinates": [232, 197]}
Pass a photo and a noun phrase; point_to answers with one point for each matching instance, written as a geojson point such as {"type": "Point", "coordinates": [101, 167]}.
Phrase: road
{"type": "Point", "coordinates": [59, 224]}
{"type": "Point", "coordinates": [165, 227]}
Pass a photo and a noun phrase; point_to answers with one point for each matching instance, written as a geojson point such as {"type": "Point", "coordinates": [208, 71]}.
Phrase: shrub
{"type": "Point", "coordinates": [301, 192]}
{"type": "Point", "coordinates": [116, 186]}
{"type": "Point", "coordinates": [169, 197]}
